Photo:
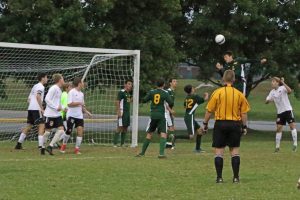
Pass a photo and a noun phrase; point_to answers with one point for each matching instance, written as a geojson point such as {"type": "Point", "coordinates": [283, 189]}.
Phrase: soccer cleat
{"type": "Point", "coordinates": [294, 148]}
{"type": "Point", "coordinates": [276, 150]}
{"type": "Point", "coordinates": [219, 180]}
{"type": "Point", "coordinates": [39, 147]}
{"type": "Point", "coordinates": [169, 145]}
{"type": "Point", "coordinates": [298, 184]}
{"type": "Point", "coordinates": [63, 148]}
{"type": "Point", "coordinates": [236, 180]}
{"type": "Point", "coordinates": [19, 146]}
{"type": "Point", "coordinates": [173, 141]}
{"type": "Point", "coordinates": [115, 146]}
{"type": "Point", "coordinates": [42, 151]}
{"type": "Point", "coordinates": [140, 155]}
{"type": "Point", "coordinates": [49, 150]}
{"type": "Point", "coordinates": [162, 156]}
{"type": "Point", "coordinates": [76, 151]}
{"type": "Point", "coordinates": [58, 145]}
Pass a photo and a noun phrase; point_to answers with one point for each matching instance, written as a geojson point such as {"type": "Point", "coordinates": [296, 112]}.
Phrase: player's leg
{"type": "Point", "coordinates": [26, 129]}
{"type": "Point", "coordinates": [278, 136]}
{"type": "Point", "coordinates": [58, 123]}
{"type": "Point", "coordinates": [151, 127]}
{"type": "Point", "coordinates": [198, 132]}
{"type": "Point", "coordinates": [219, 143]}
{"type": "Point", "coordinates": [162, 129]}
{"type": "Point", "coordinates": [291, 121]}
{"type": "Point", "coordinates": [67, 135]}
{"type": "Point", "coordinates": [234, 139]}
{"type": "Point", "coordinates": [189, 125]}
{"type": "Point", "coordinates": [118, 132]}
{"type": "Point", "coordinates": [22, 137]}
{"type": "Point", "coordinates": [79, 127]}
{"type": "Point", "coordinates": [126, 124]}
{"type": "Point", "coordinates": [170, 138]}
{"type": "Point", "coordinates": [41, 131]}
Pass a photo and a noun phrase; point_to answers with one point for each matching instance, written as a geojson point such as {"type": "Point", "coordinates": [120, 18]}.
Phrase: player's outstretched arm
{"type": "Point", "coordinates": [288, 89]}
{"type": "Point", "coordinates": [84, 110]}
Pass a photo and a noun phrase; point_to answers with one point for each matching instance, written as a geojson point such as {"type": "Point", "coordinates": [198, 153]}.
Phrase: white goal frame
{"type": "Point", "coordinates": [99, 52]}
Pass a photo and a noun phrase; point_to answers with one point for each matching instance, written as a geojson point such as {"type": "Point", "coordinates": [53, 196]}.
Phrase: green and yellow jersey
{"type": "Point", "coordinates": [192, 101]}
{"type": "Point", "coordinates": [172, 95]}
{"type": "Point", "coordinates": [158, 98]}
{"type": "Point", "coordinates": [124, 99]}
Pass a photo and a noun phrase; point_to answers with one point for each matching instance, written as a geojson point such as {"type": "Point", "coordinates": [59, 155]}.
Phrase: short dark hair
{"type": "Point", "coordinates": [41, 75]}
{"type": "Point", "coordinates": [76, 81]}
{"type": "Point", "coordinates": [188, 88]}
{"type": "Point", "coordinates": [229, 76]}
{"type": "Point", "coordinates": [160, 82]}
{"type": "Point", "coordinates": [128, 80]}
{"type": "Point", "coordinates": [171, 79]}
{"type": "Point", "coordinates": [229, 53]}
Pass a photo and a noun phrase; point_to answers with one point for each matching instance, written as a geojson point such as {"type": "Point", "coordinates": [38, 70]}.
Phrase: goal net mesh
{"type": "Point", "coordinates": [105, 75]}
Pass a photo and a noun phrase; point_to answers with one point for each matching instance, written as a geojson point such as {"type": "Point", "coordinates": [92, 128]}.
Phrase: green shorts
{"type": "Point", "coordinates": [191, 124]}
{"type": "Point", "coordinates": [124, 121]}
{"type": "Point", "coordinates": [157, 124]}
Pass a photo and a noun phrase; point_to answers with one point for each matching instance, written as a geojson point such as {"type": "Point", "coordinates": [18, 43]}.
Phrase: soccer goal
{"type": "Point", "coordinates": [103, 70]}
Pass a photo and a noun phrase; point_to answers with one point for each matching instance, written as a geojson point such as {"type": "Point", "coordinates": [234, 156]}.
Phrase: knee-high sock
{"type": "Point", "coordinates": [22, 138]}
{"type": "Point", "coordinates": [278, 139]}
{"type": "Point", "coordinates": [219, 165]}
{"type": "Point", "coordinates": [294, 136]}
{"type": "Point", "coordinates": [123, 137]}
{"type": "Point", "coordinates": [198, 142]}
{"type": "Point", "coordinates": [46, 136]}
{"type": "Point", "coordinates": [56, 137]}
{"type": "Point", "coordinates": [162, 146]}
{"type": "Point", "coordinates": [66, 138]}
{"type": "Point", "coordinates": [235, 163]}
{"type": "Point", "coordinates": [145, 146]}
{"type": "Point", "coordinates": [78, 142]}
{"type": "Point", "coordinates": [41, 140]}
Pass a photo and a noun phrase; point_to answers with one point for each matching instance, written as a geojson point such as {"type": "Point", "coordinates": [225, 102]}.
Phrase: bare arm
{"type": "Point", "coordinates": [207, 117]}
{"type": "Point", "coordinates": [244, 119]}
{"type": "Point", "coordinates": [118, 108]}
{"type": "Point", "coordinates": [288, 89]}
{"type": "Point", "coordinates": [39, 100]}
{"type": "Point", "coordinates": [84, 110]}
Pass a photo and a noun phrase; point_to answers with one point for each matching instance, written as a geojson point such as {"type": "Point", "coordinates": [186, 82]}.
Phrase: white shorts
{"type": "Point", "coordinates": [169, 119]}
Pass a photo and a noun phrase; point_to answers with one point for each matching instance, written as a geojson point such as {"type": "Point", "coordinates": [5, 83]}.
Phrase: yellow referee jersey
{"type": "Point", "coordinates": [228, 103]}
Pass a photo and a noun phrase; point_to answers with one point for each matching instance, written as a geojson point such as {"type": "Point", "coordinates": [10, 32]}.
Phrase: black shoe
{"type": "Point", "coordinates": [39, 147]}
{"type": "Point", "coordinates": [42, 151]}
{"type": "Point", "coordinates": [276, 150]}
{"type": "Point", "coordinates": [49, 150]}
{"type": "Point", "coordinates": [236, 180]}
{"type": "Point", "coordinates": [19, 146]}
{"type": "Point", "coordinates": [219, 180]}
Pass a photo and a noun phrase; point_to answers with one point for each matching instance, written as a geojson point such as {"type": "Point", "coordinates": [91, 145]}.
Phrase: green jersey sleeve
{"type": "Point", "coordinates": [147, 97]}
{"type": "Point", "coordinates": [199, 100]}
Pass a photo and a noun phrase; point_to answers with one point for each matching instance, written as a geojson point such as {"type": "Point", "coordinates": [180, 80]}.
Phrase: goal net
{"type": "Point", "coordinates": [104, 72]}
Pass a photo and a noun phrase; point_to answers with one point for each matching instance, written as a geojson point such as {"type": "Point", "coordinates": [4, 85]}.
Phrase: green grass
{"type": "Point", "coordinates": [114, 173]}
{"type": "Point", "coordinates": [259, 110]}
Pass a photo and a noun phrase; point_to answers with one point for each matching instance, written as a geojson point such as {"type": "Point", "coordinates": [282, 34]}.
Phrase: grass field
{"type": "Point", "coordinates": [114, 173]}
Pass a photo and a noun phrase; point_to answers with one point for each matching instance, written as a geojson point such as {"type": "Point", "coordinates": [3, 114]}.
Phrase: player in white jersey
{"type": "Point", "coordinates": [279, 95]}
{"type": "Point", "coordinates": [76, 108]}
{"type": "Point", "coordinates": [53, 118]}
{"type": "Point", "coordinates": [35, 110]}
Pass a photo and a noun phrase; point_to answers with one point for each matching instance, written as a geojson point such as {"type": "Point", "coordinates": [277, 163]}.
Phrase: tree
{"type": "Point", "coordinates": [253, 28]}
{"type": "Point", "coordinates": [146, 25]}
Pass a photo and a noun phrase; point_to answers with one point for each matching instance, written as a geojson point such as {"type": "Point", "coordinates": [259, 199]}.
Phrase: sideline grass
{"type": "Point", "coordinates": [114, 173]}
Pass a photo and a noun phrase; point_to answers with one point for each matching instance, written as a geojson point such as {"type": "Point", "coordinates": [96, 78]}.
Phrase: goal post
{"type": "Point", "coordinates": [103, 70]}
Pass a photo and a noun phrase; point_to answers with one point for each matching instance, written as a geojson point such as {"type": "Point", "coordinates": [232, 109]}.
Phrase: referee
{"type": "Point", "coordinates": [230, 108]}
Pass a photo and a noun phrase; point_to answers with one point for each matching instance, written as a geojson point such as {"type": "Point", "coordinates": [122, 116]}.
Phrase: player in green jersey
{"type": "Point", "coordinates": [157, 121]}
{"type": "Point", "coordinates": [124, 99]}
{"type": "Point", "coordinates": [238, 66]}
{"type": "Point", "coordinates": [192, 101]}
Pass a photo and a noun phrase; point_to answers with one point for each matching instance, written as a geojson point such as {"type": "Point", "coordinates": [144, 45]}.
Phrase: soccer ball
{"type": "Point", "coordinates": [220, 39]}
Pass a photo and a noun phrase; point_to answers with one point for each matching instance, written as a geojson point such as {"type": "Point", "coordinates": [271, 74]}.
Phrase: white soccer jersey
{"type": "Point", "coordinates": [36, 89]}
{"type": "Point", "coordinates": [281, 99]}
{"type": "Point", "coordinates": [75, 96]}
{"type": "Point", "coordinates": [53, 102]}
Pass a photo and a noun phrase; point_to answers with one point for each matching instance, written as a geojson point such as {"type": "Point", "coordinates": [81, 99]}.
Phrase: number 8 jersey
{"type": "Point", "coordinates": [158, 97]}
{"type": "Point", "coordinates": [192, 101]}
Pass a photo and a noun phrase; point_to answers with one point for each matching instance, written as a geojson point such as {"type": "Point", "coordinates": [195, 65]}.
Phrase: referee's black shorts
{"type": "Point", "coordinates": [227, 133]}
